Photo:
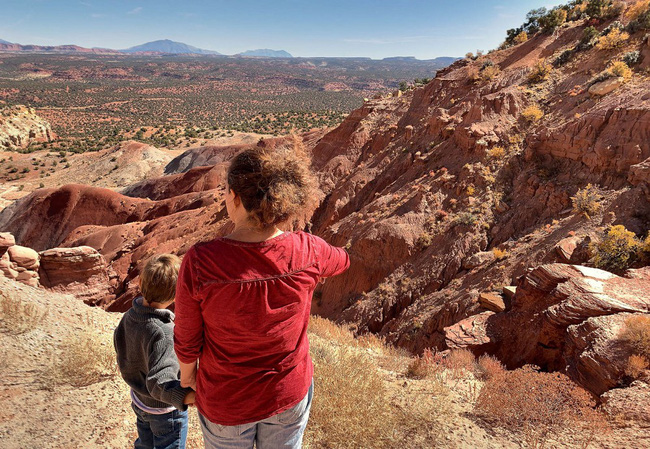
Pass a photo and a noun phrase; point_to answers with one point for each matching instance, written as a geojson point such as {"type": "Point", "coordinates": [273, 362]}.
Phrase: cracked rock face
{"type": "Point", "coordinates": [568, 318]}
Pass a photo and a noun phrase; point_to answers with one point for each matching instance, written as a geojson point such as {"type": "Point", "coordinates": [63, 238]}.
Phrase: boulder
{"type": "Point", "coordinates": [629, 404]}
{"type": "Point", "coordinates": [509, 291]}
{"type": "Point", "coordinates": [566, 247]}
{"type": "Point", "coordinates": [64, 266]}
{"type": "Point", "coordinates": [492, 301]}
{"type": "Point", "coordinates": [595, 355]}
{"type": "Point", "coordinates": [24, 257]}
{"type": "Point", "coordinates": [408, 132]}
{"type": "Point", "coordinates": [469, 333]}
{"type": "Point", "coordinates": [6, 240]}
{"type": "Point", "coordinates": [479, 259]}
{"type": "Point", "coordinates": [605, 87]}
{"type": "Point", "coordinates": [81, 271]}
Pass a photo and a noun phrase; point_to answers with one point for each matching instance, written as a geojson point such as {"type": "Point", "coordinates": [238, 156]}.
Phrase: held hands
{"type": "Point", "coordinates": [190, 398]}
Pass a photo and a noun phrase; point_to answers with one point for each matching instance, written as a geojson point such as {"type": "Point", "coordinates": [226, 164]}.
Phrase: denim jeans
{"type": "Point", "coordinates": [166, 431]}
{"type": "Point", "coordinates": [284, 430]}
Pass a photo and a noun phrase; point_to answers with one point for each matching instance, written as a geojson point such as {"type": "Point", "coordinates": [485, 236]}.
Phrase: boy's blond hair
{"type": "Point", "coordinates": [158, 278]}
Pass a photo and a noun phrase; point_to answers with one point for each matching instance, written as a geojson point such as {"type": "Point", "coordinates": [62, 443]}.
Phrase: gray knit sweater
{"type": "Point", "coordinates": [144, 343]}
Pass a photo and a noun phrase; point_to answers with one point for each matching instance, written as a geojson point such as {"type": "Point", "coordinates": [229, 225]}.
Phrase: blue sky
{"type": "Point", "coordinates": [372, 28]}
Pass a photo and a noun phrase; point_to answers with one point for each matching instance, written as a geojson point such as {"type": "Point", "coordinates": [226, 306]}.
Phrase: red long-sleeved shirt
{"type": "Point", "coordinates": [242, 310]}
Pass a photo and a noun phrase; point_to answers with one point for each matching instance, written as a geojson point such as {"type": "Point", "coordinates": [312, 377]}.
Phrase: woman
{"type": "Point", "coordinates": [242, 308]}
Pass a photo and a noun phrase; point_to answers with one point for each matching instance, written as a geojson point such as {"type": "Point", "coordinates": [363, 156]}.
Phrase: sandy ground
{"type": "Point", "coordinates": [37, 413]}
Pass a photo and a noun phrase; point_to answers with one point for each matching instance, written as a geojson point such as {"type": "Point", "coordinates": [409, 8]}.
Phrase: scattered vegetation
{"type": "Point", "coordinates": [636, 333]}
{"type": "Point", "coordinates": [497, 153]}
{"type": "Point", "coordinates": [81, 359]}
{"type": "Point", "coordinates": [354, 408]}
{"type": "Point", "coordinates": [612, 40]}
{"type": "Point", "coordinates": [532, 114]}
{"type": "Point", "coordinates": [535, 405]}
{"type": "Point", "coordinates": [631, 58]}
{"type": "Point", "coordinates": [587, 200]}
{"type": "Point", "coordinates": [18, 316]}
{"type": "Point", "coordinates": [539, 72]}
{"type": "Point", "coordinates": [499, 254]}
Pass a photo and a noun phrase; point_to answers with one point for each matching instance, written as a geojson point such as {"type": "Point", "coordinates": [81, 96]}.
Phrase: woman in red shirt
{"type": "Point", "coordinates": [242, 308]}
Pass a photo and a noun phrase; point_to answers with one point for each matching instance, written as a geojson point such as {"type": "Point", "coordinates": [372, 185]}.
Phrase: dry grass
{"type": "Point", "coordinates": [636, 366]}
{"type": "Point", "coordinates": [499, 254]}
{"type": "Point", "coordinates": [488, 367]}
{"type": "Point", "coordinates": [428, 364]}
{"type": "Point", "coordinates": [636, 333]}
{"type": "Point", "coordinates": [536, 405]}
{"type": "Point", "coordinates": [81, 359]}
{"type": "Point", "coordinates": [353, 406]}
{"type": "Point", "coordinates": [19, 317]}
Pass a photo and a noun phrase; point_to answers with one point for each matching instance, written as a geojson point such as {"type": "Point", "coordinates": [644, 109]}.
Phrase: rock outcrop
{"type": "Point", "coordinates": [81, 271]}
{"type": "Point", "coordinates": [20, 126]}
{"type": "Point", "coordinates": [18, 262]}
{"type": "Point", "coordinates": [563, 318]}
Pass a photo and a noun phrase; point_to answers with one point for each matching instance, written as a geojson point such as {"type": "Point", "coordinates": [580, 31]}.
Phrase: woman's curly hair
{"type": "Point", "coordinates": [275, 185]}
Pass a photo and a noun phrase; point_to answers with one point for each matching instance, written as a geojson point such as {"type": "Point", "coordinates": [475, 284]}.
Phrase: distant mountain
{"type": "Point", "coordinates": [4, 42]}
{"type": "Point", "coordinates": [65, 49]}
{"type": "Point", "coordinates": [266, 53]}
{"type": "Point", "coordinates": [167, 46]}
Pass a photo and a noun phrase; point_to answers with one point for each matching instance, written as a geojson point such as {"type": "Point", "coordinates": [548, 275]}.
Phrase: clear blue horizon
{"type": "Point", "coordinates": [362, 28]}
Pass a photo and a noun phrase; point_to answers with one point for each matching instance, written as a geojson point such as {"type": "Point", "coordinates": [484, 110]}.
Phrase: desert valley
{"type": "Point", "coordinates": [496, 210]}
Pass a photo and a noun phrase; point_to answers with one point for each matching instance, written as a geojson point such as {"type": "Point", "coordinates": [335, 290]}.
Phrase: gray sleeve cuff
{"type": "Point", "coordinates": [178, 396]}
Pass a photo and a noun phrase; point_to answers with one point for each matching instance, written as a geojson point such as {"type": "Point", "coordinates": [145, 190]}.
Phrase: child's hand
{"type": "Point", "coordinates": [190, 398]}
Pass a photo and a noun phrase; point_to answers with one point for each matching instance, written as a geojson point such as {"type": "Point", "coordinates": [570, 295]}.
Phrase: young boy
{"type": "Point", "coordinates": [144, 344]}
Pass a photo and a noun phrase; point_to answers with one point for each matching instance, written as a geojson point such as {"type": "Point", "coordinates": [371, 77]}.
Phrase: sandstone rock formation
{"type": "Point", "coordinates": [19, 126]}
{"type": "Point", "coordinates": [78, 270]}
{"type": "Point", "coordinates": [563, 318]}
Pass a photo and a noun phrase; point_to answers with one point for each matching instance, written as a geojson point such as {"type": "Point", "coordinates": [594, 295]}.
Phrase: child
{"type": "Point", "coordinates": [145, 355]}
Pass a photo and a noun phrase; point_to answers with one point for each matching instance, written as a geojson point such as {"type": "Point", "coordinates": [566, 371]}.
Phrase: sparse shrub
{"type": "Point", "coordinates": [329, 330]}
{"type": "Point", "coordinates": [631, 58]}
{"type": "Point", "coordinates": [613, 40]}
{"type": "Point", "coordinates": [540, 72]}
{"type": "Point", "coordinates": [587, 200]}
{"type": "Point", "coordinates": [499, 254]}
{"type": "Point", "coordinates": [617, 250]}
{"type": "Point", "coordinates": [18, 316]}
{"type": "Point", "coordinates": [589, 38]}
{"type": "Point", "coordinates": [496, 152]}
{"type": "Point", "coordinates": [426, 365]}
{"type": "Point", "coordinates": [636, 366]}
{"type": "Point", "coordinates": [621, 69]}
{"type": "Point", "coordinates": [520, 38]}
{"type": "Point", "coordinates": [81, 359]}
{"type": "Point", "coordinates": [460, 361]}
{"type": "Point", "coordinates": [636, 333]}
{"type": "Point", "coordinates": [641, 23]}
{"type": "Point", "coordinates": [488, 367]}
{"type": "Point", "coordinates": [563, 58]}
{"type": "Point", "coordinates": [532, 114]}
{"type": "Point", "coordinates": [489, 73]}
{"type": "Point", "coordinates": [638, 8]}
{"type": "Point", "coordinates": [466, 219]}
{"type": "Point", "coordinates": [353, 406]}
{"type": "Point", "coordinates": [534, 405]}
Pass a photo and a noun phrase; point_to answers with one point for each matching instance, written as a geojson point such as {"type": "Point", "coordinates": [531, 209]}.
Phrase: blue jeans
{"type": "Point", "coordinates": [166, 431]}
{"type": "Point", "coordinates": [284, 430]}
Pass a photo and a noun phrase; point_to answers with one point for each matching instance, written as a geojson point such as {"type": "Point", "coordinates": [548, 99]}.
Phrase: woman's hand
{"type": "Point", "coordinates": [188, 374]}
